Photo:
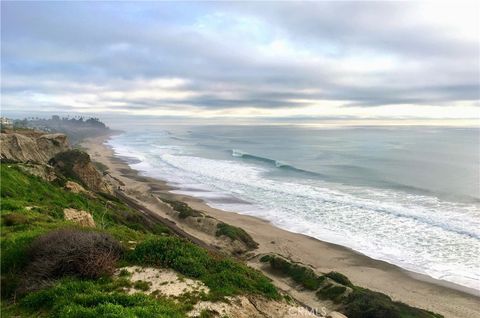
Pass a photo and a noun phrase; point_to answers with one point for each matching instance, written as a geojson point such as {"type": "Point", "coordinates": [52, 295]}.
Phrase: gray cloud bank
{"type": "Point", "coordinates": [222, 56]}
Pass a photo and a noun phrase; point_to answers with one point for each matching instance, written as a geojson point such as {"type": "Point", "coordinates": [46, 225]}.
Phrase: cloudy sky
{"type": "Point", "coordinates": [300, 60]}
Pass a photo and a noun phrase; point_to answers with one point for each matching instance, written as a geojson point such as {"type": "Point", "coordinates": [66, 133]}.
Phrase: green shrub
{"type": "Point", "coordinates": [141, 285]}
{"type": "Point", "coordinates": [300, 274]}
{"type": "Point", "coordinates": [227, 277]}
{"type": "Point", "coordinates": [339, 278]}
{"type": "Point", "coordinates": [182, 256]}
{"type": "Point", "coordinates": [331, 292]}
{"type": "Point", "coordinates": [363, 303]}
{"type": "Point", "coordinates": [184, 209]}
{"type": "Point", "coordinates": [236, 233]}
{"type": "Point", "coordinates": [265, 258]}
{"type": "Point", "coordinates": [124, 273]}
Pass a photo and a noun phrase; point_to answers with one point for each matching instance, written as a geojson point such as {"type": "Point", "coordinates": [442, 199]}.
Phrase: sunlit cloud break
{"type": "Point", "coordinates": [255, 59]}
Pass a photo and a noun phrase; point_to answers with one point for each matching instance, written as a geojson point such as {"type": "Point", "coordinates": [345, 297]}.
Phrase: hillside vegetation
{"type": "Point", "coordinates": [51, 267]}
{"type": "Point", "coordinates": [354, 301]}
{"type": "Point", "coordinates": [35, 285]}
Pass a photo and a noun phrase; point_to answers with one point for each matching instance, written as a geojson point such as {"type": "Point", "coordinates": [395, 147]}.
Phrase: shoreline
{"type": "Point", "coordinates": [415, 289]}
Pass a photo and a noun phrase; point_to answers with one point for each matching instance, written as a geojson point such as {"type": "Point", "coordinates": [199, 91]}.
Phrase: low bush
{"type": "Point", "coordinates": [364, 303]}
{"type": "Point", "coordinates": [331, 292]}
{"type": "Point", "coordinates": [227, 277]}
{"type": "Point", "coordinates": [183, 209]}
{"type": "Point", "coordinates": [182, 256]}
{"type": "Point", "coordinates": [70, 252]}
{"type": "Point", "coordinates": [265, 258]}
{"type": "Point", "coordinates": [339, 278]}
{"type": "Point", "coordinates": [300, 274]}
{"type": "Point", "coordinates": [236, 233]}
{"type": "Point", "coordinates": [141, 285]}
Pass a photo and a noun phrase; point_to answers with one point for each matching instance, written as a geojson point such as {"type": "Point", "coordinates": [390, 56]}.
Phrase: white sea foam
{"type": "Point", "coordinates": [419, 233]}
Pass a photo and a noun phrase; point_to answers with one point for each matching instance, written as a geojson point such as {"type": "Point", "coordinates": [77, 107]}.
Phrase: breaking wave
{"type": "Point", "coordinates": [417, 232]}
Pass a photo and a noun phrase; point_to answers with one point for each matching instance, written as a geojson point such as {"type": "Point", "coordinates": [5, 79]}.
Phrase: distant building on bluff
{"type": "Point", "coordinates": [5, 122]}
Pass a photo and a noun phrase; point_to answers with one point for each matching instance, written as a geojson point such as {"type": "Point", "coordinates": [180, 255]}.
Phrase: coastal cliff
{"type": "Point", "coordinates": [62, 243]}
{"type": "Point", "coordinates": [59, 237]}
{"type": "Point", "coordinates": [40, 153]}
{"type": "Point", "coordinates": [33, 147]}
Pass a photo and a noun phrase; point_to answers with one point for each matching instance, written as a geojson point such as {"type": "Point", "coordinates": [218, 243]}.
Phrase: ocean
{"type": "Point", "coordinates": [408, 195]}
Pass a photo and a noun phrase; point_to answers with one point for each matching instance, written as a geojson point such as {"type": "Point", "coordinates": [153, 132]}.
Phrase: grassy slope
{"type": "Point", "coordinates": [31, 207]}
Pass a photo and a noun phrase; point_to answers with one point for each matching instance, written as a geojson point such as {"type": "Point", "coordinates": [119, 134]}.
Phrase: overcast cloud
{"type": "Point", "coordinates": [289, 59]}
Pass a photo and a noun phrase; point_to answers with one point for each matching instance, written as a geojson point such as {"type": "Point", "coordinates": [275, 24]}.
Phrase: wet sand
{"type": "Point", "coordinates": [414, 289]}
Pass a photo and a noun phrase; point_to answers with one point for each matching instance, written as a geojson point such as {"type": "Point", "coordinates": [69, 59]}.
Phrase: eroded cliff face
{"type": "Point", "coordinates": [17, 147]}
{"type": "Point", "coordinates": [77, 165]}
{"type": "Point", "coordinates": [42, 153]}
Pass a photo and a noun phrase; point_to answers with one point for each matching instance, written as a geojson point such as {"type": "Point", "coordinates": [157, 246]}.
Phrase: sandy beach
{"type": "Point", "coordinates": [414, 289]}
